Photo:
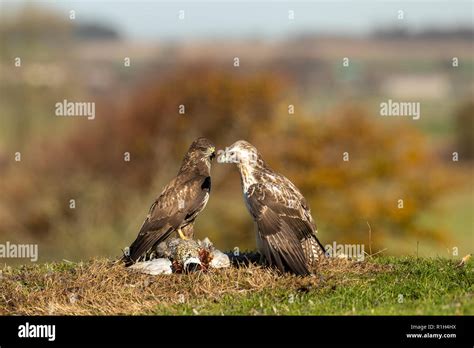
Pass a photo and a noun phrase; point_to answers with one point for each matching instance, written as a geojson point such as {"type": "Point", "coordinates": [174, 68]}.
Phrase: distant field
{"type": "Point", "coordinates": [379, 285]}
{"type": "Point", "coordinates": [452, 214]}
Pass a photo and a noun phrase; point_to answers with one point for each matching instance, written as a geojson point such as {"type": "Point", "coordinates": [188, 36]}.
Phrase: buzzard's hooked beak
{"type": "Point", "coordinates": [212, 153]}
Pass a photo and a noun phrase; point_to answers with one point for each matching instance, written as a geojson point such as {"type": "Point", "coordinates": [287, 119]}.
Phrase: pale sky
{"type": "Point", "coordinates": [159, 19]}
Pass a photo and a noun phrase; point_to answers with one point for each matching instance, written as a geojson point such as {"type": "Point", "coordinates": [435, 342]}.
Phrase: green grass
{"type": "Point", "coordinates": [412, 287]}
{"type": "Point", "coordinates": [378, 286]}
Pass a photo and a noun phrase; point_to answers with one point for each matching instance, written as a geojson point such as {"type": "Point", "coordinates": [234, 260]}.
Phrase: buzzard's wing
{"type": "Point", "coordinates": [312, 247]}
{"type": "Point", "coordinates": [281, 225]}
{"type": "Point", "coordinates": [177, 204]}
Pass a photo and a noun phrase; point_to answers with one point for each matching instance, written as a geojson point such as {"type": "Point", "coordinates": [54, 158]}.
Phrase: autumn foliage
{"type": "Point", "coordinates": [386, 161]}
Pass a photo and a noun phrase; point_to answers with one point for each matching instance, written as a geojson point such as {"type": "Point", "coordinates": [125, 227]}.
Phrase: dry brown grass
{"type": "Point", "coordinates": [102, 287]}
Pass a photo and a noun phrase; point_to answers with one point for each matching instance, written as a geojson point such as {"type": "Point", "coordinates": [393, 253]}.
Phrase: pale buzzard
{"type": "Point", "coordinates": [286, 232]}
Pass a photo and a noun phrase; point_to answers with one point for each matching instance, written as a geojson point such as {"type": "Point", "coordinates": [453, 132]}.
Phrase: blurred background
{"type": "Point", "coordinates": [285, 58]}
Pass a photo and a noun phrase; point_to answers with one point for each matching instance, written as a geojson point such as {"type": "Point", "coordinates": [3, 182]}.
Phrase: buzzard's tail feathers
{"type": "Point", "coordinates": [286, 260]}
{"type": "Point", "coordinates": [143, 244]}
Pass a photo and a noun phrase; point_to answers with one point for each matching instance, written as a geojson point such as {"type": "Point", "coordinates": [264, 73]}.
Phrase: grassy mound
{"type": "Point", "coordinates": [379, 285]}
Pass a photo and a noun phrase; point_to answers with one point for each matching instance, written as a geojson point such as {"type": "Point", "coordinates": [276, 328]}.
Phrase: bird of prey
{"type": "Point", "coordinates": [179, 203]}
{"type": "Point", "coordinates": [285, 229]}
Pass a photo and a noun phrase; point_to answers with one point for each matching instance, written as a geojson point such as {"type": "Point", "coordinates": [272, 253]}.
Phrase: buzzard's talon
{"type": "Point", "coordinates": [181, 235]}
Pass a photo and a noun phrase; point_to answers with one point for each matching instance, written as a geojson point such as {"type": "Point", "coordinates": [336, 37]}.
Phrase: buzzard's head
{"type": "Point", "coordinates": [242, 153]}
{"type": "Point", "coordinates": [202, 147]}
{"type": "Point", "coordinates": [200, 153]}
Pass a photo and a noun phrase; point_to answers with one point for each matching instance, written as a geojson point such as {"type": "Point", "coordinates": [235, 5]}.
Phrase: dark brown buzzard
{"type": "Point", "coordinates": [286, 232]}
{"type": "Point", "coordinates": [179, 203]}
